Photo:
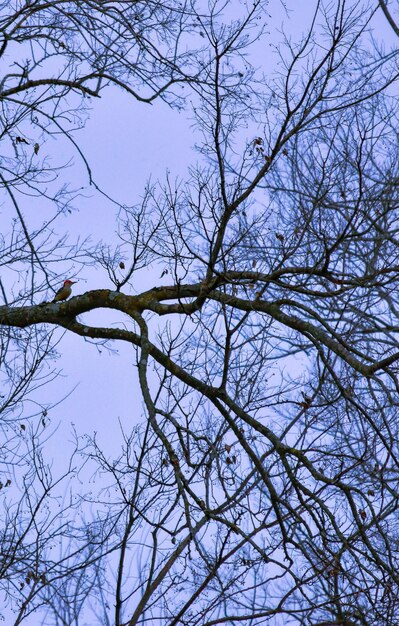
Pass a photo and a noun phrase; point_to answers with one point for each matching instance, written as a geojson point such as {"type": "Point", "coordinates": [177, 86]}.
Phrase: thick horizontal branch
{"type": "Point", "coordinates": [58, 313]}
{"type": "Point", "coordinates": [64, 314]}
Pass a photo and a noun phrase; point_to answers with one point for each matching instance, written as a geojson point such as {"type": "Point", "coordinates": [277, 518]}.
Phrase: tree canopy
{"type": "Point", "coordinates": [260, 485]}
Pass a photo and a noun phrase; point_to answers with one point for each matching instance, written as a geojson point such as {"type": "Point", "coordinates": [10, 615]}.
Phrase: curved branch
{"type": "Point", "coordinates": [389, 17]}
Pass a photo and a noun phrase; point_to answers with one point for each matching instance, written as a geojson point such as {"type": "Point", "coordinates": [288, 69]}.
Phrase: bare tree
{"type": "Point", "coordinates": [263, 485]}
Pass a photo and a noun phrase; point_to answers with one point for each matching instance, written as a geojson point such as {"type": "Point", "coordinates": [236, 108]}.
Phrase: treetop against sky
{"type": "Point", "coordinates": [219, 182]}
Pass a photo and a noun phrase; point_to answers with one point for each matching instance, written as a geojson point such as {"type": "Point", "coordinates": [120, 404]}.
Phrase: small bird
{"type": "Point", "coordinates": [64, 292]}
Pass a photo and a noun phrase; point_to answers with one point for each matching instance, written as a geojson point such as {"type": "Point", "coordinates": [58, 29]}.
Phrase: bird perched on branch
{"type": "Point", "coordinates": [65, 291]}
